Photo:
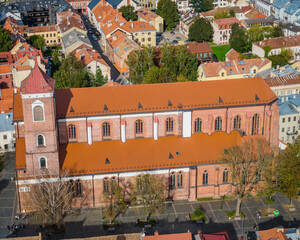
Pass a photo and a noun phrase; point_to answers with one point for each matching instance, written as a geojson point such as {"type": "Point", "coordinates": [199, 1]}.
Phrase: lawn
{"type": "Point", "coordinates": [220, 51]}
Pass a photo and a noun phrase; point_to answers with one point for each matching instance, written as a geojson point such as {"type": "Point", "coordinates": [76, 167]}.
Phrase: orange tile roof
{"type": "Point", "coordinates": [136, 26]}
{"type": "Point", "coordinates": [6, 101]}
{"type": "Point", "coordinates": [195, 47]}
{"type": "Point", "coordinates": [146, 14]}
{"type": "Point", "coordinates": [233, 67]}
{"type": "Point", "coordinates": [71, 22]}
{"type": "Point", "coordinates": [63, 15]}
{"type": "Point", "coordinates": [155, 97]}
{"type": "Point", "coordinates": [279, 42]}
{"type": "Point", "coordinates": [87, 55]}
{"type": "Point", "coordinates": [6, 58]}
{"type": "Point", "coordinates": [233, 55]}
{"type": "Point", "coordinates": [272, 234]}
{"type": "Point", "coordinates": [254, 13]}
{"type": "Point", "coordinates": [129, 236]}
{"type": "Point", "coordinates": [144, 153]}
{"type": "Point", "coordinates": [20, 153]}
{"type": "Point", "coordinates": [5, 68]}
{"type": "Point", "coordinates": [49, 28]}
{"type": "Point", "coordinates": [283, 81]}
{"type": "Point", "coordinates": [111, 83]}
{"type": "Point", "coordinates": [173, 236]}
{"type": "Point", "coordinates": [227, 21]}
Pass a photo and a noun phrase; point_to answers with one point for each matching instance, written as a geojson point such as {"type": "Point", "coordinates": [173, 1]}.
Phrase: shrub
{"type": "Point", "coordinates": [198, 212]}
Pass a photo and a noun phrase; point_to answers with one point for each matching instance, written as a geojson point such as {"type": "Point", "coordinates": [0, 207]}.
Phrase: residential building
{"type": "Point", "coordinates": [73, 39]}
{"type": "Point", "coordinates": [232, 55]}
{"type": "Point", "coordinates": [186, 21]}
{"type": "Point", "coordinates": [202, 51]}
{"type": "Point", "coordinates": [232, 69]}
{"type": "Point", "coordinates": [279, 233]}
{"type": "Point", "coordinates": [92, 60]}
{"type": "Point", "coordinates": [265, 21]}
{"type": "Point", "coordinates": [284, 85]}
{"type": "Point", "coordinates": [290, 29]}
{"type": "Point", "coordinates": [6, 78]}
{"type": "Point", "coordinates": [212, 236]}
{"type": "Point", "coordinates": [210, 14]}
{"type": "Point", "coordinates": [173, 130]}
{"type": "Point", "coordinates": [150, 17]}
{"type": "Point", "coordinates": [119, 46]}
{"type": "Point", "coordinates": [222, 29]}
{"type": "Point", "coordinates": [49, 33]}
{"type": "Point", "coordinates": [221, 3]}
{"type": "Point", "coordinates": [276, 45]}
{"type": "Point", "coordinates": [286, 10]}
{"type": "Point", "coordinates": [183, 5]}
{"type": "Point", "coordinates": [264, 6]}
{"type": "Point", "coordinates": [7, 132]}
{"type": "Point", "coordinates": [6, 100]}
{"type": "Point", "coordinates": [69, 22]}
{"type": "Point", "coordinates": [148, 4]}
{"type": "Point", "coordinates": [60, 16]}
{"type": "Point", "coordinates": [254, 13]}
{"type": "Point", "coordinates": [173, 236]}
{"type": "Point", "coordinates": [80, 6]}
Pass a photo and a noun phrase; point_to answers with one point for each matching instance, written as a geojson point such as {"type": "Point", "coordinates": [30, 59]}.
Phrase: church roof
{"type": "Point", "coordinates": [156, 97]}
{"type": "Point", "coordinates": [37, 82]}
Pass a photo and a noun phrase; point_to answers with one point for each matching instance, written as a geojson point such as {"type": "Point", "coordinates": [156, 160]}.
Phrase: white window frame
{"type": "Point", "coordinates": [45, 162]}
{"type": "Point", "coordinates": [37, 103]}
{"type": "Point", "coordinates": [44, 140]}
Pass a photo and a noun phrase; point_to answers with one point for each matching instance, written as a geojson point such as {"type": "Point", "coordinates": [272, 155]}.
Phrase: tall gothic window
{"type": "Point", "coordinates": [138, 127]}
{"type": "Point", "coordinates": [172, 180]}
{"type": "Point", "coordinates": [72, 131]}
{"type": "Point", "coordinates": [198, 125]}
{"type": "Point", "coordinates": [78, 192]}
{"type": "Point", "coordinates": [255, 124]}
{"type": "Point", "coordinates": [225, 176]}
{"type": "Point", "coordinates": [205, 177]}
{"type": "Point", "coordinates": [169, 125]}
{"type": "Point", "coordinates": [40, 140]}
{"type": "Point", "coordinates": [105, 185]}
{"type": "Point", "coordinates": [218, 124]}
{"type": "Point", "coordinates": [237, 122]}
{"type": "Point", "coordinates": [179, 183]}
{"type": "Point", "coordinates": [38, 114]}
{"type": "Point", "coordinates": [72, 187]}
{"type": "Point", "coordinates": [106, 129]}
{"type": "Point", "coordinates": [139, 183]}
{"type": "Point", "coordinates": [43, 162]}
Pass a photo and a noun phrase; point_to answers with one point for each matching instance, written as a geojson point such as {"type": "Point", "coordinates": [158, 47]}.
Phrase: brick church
{"type": "Point", "coordinates": [174, 130]}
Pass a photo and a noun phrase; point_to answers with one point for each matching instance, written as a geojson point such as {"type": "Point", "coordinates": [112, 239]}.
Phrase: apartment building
{"type": "Point", "coordinates": [153, 19]}
{"type": "Point", "coordinates": [81, 6]}
{"type": "Point", "coordinates": [7, 132]}
{"type": "Point", "coordinates": [49, 33]}
{"type": "Point", "coordinates": [186, 21]}
{"type": "Point", "coordinates": [239, 14]}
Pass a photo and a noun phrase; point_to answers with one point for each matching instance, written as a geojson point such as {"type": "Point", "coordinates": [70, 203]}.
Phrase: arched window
{"type": "Point", "coordinates": [218, 124]}
{"type": "Point", "coordinates": [105, 185]}
{"type": "Point", "coordinates": [113, 184]}
{"type": "Point", "coordinates": [169, 125]}
{"type": "Point", "coordinates": [237, 122]}
{"type": "Point", "coordinates": [138, 127]}
{"type": "Point", "coordinates": [72, 187]}
{"type": "Point", "coordinates": [225, 176]}
{"type": "Point", "coordinates": [72, 131]}
{"type": "Point", "coordinates": [106, 129]}
{"type": "Point", "coordinates": [179, 183]}
{"type": "Point", "coordinates": [172, 180]}
{"type": "Point", "coordinates": [198, 125]}
{"type": "Point", "coordinates": [255, 124]}
{"type": "Point", "coordinates": [38, 114]}
{"type": "Point", "coordinates": [139, 183]}
{"type": "Point", "coordinates": [40, 140]}
{"type": "Point", "coordinates": [205, 177]}
{"type": "Point", "coordinates": [43, 162]}
{"type": "Point", "coordinates": [78, 192]}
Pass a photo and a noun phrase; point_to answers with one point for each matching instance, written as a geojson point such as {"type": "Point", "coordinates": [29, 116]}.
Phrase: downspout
{"type": "Point", "coordinates": [93, 190]}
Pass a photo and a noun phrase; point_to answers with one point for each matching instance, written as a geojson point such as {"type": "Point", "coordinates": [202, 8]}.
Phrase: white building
{"type": "Point", "coordinates": [7, 133]}
{"type": "Point", "coordinates": [264, 6]}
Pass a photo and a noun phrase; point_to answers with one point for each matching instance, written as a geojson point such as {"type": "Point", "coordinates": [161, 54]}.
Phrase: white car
{"type": "Point", "coordinates": [94, 37]}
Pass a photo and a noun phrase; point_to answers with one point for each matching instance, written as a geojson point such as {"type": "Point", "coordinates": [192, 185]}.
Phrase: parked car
{"type": "Point", "coordinates": [172, 33]}
{"type": "Point", "coordinates": [166, 39]}
{"type": "Point", "coordinates": [90, 31]}
{"type": "Point", "coordinates": [188, 40]}
{"type": "Point", "coordinates": [178, 38]}
{"type": "Point", "coordinates": [94, 37]}
{"type": "Point", "coordinates": [174, 42]}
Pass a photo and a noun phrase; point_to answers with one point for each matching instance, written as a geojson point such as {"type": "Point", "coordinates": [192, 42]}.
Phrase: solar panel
{"type": "Point", "coordinates": [228, 64]}
{"type": "Point", "coordinates": [241, 62]}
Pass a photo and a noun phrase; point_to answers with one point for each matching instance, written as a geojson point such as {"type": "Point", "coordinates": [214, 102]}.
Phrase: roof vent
{"type": "Point", "coordinates": [140, 105]}
{"type": "Point", "coordinates": [171, 156]}
{"type": "Point", "coordinates": [72, 110]}
{"type": "Point", "coordinates": [105, 107]}
{"type": "Point", "coordinates": [177, 153]}
{"type": "Point", "coordinates": [220, 100]}
{"type": "Point", "coordinates": [169, 104]}
{"type": "Point", "coordinates": [256, 98]}
{"type": "Point", "coordinates": [107, 161]}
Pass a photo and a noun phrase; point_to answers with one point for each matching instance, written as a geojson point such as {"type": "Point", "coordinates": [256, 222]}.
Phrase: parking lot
{"type": "Point", "coordinates": [169, 37]}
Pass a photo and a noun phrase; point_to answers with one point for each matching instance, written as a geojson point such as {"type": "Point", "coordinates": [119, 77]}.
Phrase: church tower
{"type": "Point", "coordinates": [40, 129]}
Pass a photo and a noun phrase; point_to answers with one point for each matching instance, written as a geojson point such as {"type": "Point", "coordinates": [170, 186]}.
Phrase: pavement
{"type": "Point", "coordinates": [167, 35]}
{"type": "Point", "coordinates": [8, 200]}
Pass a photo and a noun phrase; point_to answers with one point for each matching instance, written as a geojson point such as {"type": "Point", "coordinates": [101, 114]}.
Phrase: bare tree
{"type": "Point", "coordinates": [150, 191]}
{"type": "Point", "coordinates": [247, 163]}
{"type": "Point", "coordinates": [114, 199]}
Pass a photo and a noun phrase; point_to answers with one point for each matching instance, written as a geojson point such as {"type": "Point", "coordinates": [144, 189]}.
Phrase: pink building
{"type": "Point", "coordinates": [80, 5]}
{"type": "Point", "coordinates": [222, 29]}
{"type": "Point", "coordinates": [175, 130]}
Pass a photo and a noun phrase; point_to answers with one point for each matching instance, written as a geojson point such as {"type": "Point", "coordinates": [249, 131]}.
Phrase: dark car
{"type": "Point", "coordinates": [188, 40]}
{"type": "Point", "coordinates": [172, 33]}
{"type": "Point", "coordinates": [178, 38]}
{"type": "Point", "coordinates": [174, 42]}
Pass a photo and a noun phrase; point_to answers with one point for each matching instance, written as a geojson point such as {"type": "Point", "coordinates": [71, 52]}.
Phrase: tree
{"type": "Point", "coordinates": [278, 60]}
{"type": "Point", "coordinates": [238, 40]}
{"type": "Point", "coordinates": [288, 171]}
{"type": "Point", "coordinates": [150, 191]}
{"type": "Point", "coordinates": [114, 200]}
{"type": "Point", "coordinates": [139, 62]}
{"type": "Point", "coordinates": [287, 53]}
{"type": "Point", "coordinates": [231, 13]}
{"type": "Point", "coordinates": [38, 42]}
{"type": "Point", "coordinates": [55, 64]}
{"type": "Point", "coordinates": [267, 49]}
{"type": "Point", "coordinates": [202, 5]}
{"type": "Point", "coordinates": [257, 33]}
{"type": "Point", "coordinates": [247, 162]}
{"type": "Point", "coordinates": [278, 30]}
{"type": "Point", "coordinates": [5, 42]}
{"type": "Point", "coordinates": [159, 75]}
{"type": "Point", "coordinates": [221, 14]}
{"type": "Point", "coordinates": [51, 200]}
{"type": "Point", "coordinates": [71, 74]}
{"type": "Point", "coordinates": [168, 10]}
{"type": "Point", "coordinates": [201, 31]}
{"type": "Point", "coordinates": [99, 79]}
{"type": "Point", "coordinates": [128, 13]}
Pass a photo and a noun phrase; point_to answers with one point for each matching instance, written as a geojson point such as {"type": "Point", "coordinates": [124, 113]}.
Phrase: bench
{"type": "Point", "coordinates": [148, 226]}
{"type": "Point", "coordinates": [111, 229]}
{"type": "Point", "coordinates": [199, 221]}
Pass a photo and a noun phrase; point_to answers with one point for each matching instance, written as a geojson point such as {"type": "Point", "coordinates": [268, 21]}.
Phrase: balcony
{"type": "Point", "coordinates": [292, 133]}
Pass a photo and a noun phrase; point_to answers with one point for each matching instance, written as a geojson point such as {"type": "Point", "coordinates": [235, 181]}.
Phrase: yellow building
{"type": "Point", "coordinates": [155, 20]}
{"type": "Point", "coordinates": [232, 69]}
{"type": "Point", "coordinates": [49, 33]}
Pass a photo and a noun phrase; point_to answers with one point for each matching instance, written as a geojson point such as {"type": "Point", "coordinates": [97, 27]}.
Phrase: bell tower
{"type": "Point", "coordinates": [40, 129]}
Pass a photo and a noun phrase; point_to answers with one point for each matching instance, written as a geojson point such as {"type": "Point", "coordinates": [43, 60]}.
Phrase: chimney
{"type": "Point", "coordinates": [277, 66]}
{"type": "Point", "coordinates": [294, 96]}
{"type": "Point", "coordinates": [282, 99]}
{"type": "Point", "coordinates": [132, 25]}
{"type": "Point", "coordinates": [15, 90]}
{"type": "Point", "coordinates": [280, 229]}
{"type": "Point", "coordinates": [286, 98]}
{"type": "Point", "coordinates": [114, 38]}
{"type": "Point", "coordinates": [156, 233]}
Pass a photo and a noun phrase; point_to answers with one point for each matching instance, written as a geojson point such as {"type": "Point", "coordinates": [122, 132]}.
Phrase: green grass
{"type": "Point", "coordinates": [206, 199]}
{"type": "Point", "coordinates": [231, 214]}
{"type": "Point", "coordinates": [220, 51]}
{"type": "Point", "coordinates": [212, 44]}
{"type": "Point", "coordinates": [198, 215]}
{"type": "Point", "coordinates": [106, 224]}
